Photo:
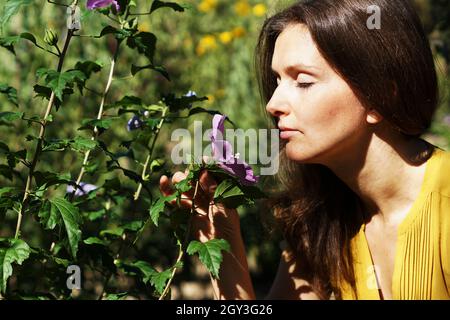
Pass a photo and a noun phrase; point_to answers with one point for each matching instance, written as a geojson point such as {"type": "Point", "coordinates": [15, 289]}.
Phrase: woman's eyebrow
{"type": "Point", "coordinates": [298, 66]}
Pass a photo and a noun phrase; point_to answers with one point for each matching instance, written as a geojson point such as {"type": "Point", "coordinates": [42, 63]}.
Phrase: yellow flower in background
{"type": "Point", "coordinates": [207, 5]}
{"type": "Point", "coordinates": [211, 99]}
{"type": "Point", "coordinates": [238, 32]}
{"type": "Point", "coordinates": [242, 8]}
{"type": "Point", "coordinates": [259, 10]}
{"type": "Point", "coordinates": [207, 43]}
{"type": "Point", "coordinates": [226, 37]}
{"type": "Point", "coordinates": [144, 26]}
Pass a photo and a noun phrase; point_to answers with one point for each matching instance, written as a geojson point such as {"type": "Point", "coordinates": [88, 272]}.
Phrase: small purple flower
{"type": "Point", "coordinates": [134, 123]}
{"type": "Point", "coordinates": [222, 153]}
{"type": "Point", "coordinates": [84, 189]}
{"type": "Point", "coordinates": [94, 4]}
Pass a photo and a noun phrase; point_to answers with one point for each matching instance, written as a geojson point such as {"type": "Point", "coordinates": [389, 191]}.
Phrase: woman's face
{"type": "Point", "coordinates": [318, 114]}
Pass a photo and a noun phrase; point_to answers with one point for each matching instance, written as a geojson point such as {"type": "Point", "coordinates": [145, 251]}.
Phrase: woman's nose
{"type": "Point", "coordinates": [277, 105]}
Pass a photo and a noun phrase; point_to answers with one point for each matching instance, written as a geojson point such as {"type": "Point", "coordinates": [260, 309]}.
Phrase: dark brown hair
{"type": "Point", "coordinates": [391, 70]}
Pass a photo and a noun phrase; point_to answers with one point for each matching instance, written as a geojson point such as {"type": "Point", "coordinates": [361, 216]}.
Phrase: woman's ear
{"type": "Point", "coordinates": [373, 117]}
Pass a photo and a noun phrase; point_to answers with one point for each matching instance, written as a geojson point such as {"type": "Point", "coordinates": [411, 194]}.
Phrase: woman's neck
{"type": "Point", "coordinates": [388, 176]}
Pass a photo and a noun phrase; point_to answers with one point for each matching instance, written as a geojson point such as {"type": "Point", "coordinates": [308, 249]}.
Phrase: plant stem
{"type": "Point", "coordinates": [99, 116]}
{"type": "Point", "coordinates": [182, 245]}
{"type": "Point", "coordinates": [38, 151]}
{"type": "Point", "coordinates": [149, 156]}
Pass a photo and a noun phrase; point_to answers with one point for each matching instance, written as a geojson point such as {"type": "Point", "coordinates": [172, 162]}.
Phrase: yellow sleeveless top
{"type": "Point", "coordinates": [422, 258]}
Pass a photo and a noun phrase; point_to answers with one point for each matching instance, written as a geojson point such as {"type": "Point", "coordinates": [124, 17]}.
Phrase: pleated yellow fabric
{"type": "Point", "coordinates": [422, 258]}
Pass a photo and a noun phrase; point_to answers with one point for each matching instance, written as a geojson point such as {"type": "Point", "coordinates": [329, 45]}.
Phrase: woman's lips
{"type": "Point", "coordinates": [287, 134]}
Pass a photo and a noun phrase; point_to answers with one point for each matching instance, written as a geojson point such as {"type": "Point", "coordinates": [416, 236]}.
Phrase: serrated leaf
{"type": "Point", "coordinates": [83, 144]}
{"type": "Point", "coordinates": [159, 206]}
{"type": "Point", "coordinates": [87, 124]}
{"type": "Point", "coordinates": [59, 81]}
{"type": "Point", "coordinates": [210, 253]}
{"type": "Point", "coordinates": [71, 219]}
{"type": "Point", "coordinates": [17, 251]}
{"type": "Point", "coordinates": [10, 116]}
{"type": "Point", "coordinates": [159, 280]}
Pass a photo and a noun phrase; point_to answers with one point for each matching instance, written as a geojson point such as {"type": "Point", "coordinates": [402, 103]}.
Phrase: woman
{"type": "Point", "coordinates": [366, 206]}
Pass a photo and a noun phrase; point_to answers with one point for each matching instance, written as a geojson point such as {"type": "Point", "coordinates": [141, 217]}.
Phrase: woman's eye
{"type": "Point", "coordinates": [304, 85]}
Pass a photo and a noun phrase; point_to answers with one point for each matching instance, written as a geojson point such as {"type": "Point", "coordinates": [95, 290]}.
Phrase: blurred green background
{"type": "Point", "coordinates": [208, 49]}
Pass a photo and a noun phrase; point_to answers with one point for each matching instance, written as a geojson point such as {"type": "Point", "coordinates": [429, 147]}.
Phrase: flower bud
{"type": "Point", "coordinates": [50, 38]}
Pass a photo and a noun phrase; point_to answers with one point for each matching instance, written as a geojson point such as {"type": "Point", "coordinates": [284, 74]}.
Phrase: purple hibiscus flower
{"type": "Point", "coordinates": [94, 4]}
{"type": "Point", "coordinates": [134, 123]}
{"type": "Point", "coordinates": [84, 189]}
{"type": "Point", "coordinates": [222, 153]}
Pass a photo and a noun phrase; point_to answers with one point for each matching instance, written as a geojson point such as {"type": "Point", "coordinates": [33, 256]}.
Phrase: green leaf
{"type": "Point", "coordinates": [9, 42]}
{"type": "Point", "coordinates": [10, 116]}
{"type": "Point", "coordinates": [10, 92]}
{"type": "Point", "coordinates": [202, 110]}
{"type": "Point", "coordinates": [17, 251]}
{"type": "Point", "coordinates": [116, 296]}
{"type": "Point", "coordinates": [83, 144]}
{"type": "Point", "coordinates": [94, 215]}
{"type": "Point", "coordinates": [210, 253]}
{"type": "Point", "coordinates": [156, 165]}
{"type": "Point", "coordinates": [159, 280]}
{"type": "Point", "coordinates": [56, 145]}
{"type": "Point", "coordinates": [119, 34]}
{"type": "Point", "coordinates": [71, 218]}
{"type": "Point", "coordinates": [30, 37]}
{"type": "Point", "coordinates": [90, 124]}
{"type": "Point", "coordinates": [135, 69]}
{"type": "Point", "coordinates": [144, 43]}
{"type": "Point", "coordinates": [115, 232]}
{"type": "Point", "coordinates": [159, 206]}
{"type": "Point", "coordinates": [127, 101]}
{"type": "Point", "coordinates": [10, 9]}
{"type": "Point", "coordinates": [95, 240]}
{"type": "Point", "coordinates": [180, 103]}
{"type": "Point", "coordinates": [227, 188]}
{"type": "Point", "coordinates": [233, 195]}
{"type": "Point", "coordinates": [88, 67]}
{"type": "Point", "coordinates": [49, 216]}
{"type": "Point", "coordinates": [58, 81]}
{"type": "Point", "coordinates": [162, 4]}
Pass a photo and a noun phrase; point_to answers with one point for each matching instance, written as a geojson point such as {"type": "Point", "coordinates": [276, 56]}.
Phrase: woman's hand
{"type": "Point", "coordinates": [211, 220]}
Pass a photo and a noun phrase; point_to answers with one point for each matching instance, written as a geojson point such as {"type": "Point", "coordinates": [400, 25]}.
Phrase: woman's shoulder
{"type": "Point", "coordinates": [439, 171]}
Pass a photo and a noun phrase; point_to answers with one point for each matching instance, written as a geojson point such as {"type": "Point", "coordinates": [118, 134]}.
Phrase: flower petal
{"type": "Point", "coordinates": [218, 127]}
{"type": "Point", "coordinates": [94, 4]}
{"type": "Point", "coordinates": [242, 171]}
{"type": "Point", "coordinates": [222, 151]}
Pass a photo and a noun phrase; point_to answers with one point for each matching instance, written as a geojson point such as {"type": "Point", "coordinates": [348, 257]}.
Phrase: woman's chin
{"type": "Point", "coordinates": [296, 153]}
